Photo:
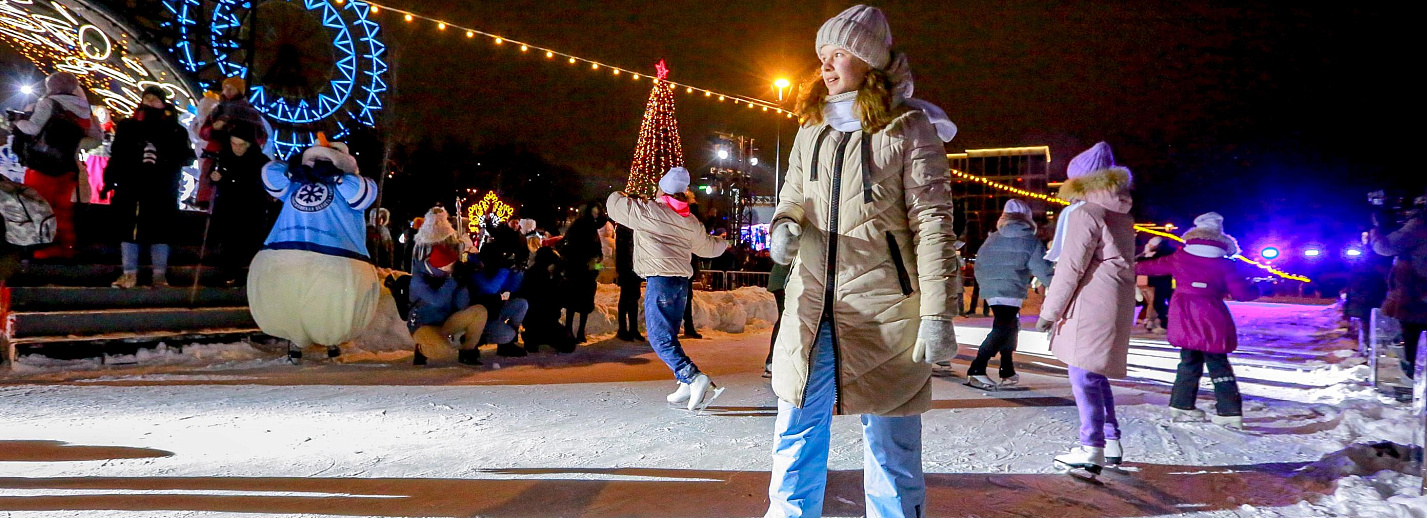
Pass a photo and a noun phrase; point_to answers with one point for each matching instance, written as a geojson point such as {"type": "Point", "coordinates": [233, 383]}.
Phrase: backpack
{"type": "Point", "coordinates": [52, 150]}
{"type": "Point", "coordinates": [28, 218]}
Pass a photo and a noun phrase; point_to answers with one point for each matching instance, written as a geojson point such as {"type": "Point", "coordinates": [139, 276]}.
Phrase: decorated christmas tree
{"type": "Point", "coordinates": [659, 148]}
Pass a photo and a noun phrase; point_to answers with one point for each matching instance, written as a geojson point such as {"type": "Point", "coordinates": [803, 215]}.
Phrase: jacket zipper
{"type": "Point", "coordinates": [830, 282]}
{"type": "Point", "coordinates": [903, 278]}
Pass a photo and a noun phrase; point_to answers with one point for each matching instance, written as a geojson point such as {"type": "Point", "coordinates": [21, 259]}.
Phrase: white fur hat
{"type": "Point", "coordinates": [1210, 221]}
{"type": "Point", "coordinates": [675, 181]}
{"type": "Point", "coordinates": [863, 31]}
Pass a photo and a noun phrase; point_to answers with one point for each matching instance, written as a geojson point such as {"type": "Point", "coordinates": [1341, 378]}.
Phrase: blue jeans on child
{"type": "Point", "coordinates": [664, 301]}
{"type": "Point", "coordinates": [891, 458]}
{"type": "Point", "coordinates": [506, 326]}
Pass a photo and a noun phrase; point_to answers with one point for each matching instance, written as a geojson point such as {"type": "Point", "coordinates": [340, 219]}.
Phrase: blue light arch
{"type": "Point", "coordinates": [353, 96]}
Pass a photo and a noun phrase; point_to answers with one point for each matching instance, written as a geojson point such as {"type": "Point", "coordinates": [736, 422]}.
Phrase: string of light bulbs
{"type": "Point", "coordinates": [1138, 227]}
{"type": "Point", "coordinates": [592, 64]}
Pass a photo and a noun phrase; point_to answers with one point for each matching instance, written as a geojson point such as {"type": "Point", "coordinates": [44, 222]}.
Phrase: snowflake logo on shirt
{"type": "Point", "coordinates": [312, 197]}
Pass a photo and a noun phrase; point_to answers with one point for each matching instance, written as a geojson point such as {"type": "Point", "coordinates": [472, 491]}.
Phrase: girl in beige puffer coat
{"type": "Point", "coordinates": [865, 220]}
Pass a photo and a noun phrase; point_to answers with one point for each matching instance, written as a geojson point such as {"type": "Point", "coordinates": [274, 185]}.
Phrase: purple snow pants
{"type": "Point", "coordinates": [1097, 407]}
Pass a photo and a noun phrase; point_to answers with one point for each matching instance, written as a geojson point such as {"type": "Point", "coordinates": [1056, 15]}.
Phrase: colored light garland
{"type": "Point", "coordinates": [1138, 227]}
{"type": "Point", "coordinates": [592, 64]}
{"type": "Point", "coordinates": [658, 149]}
{"type": "Point", "coordinates": [489, 205]}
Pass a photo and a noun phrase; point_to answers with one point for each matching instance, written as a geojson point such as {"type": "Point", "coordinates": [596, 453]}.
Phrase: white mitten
{"type": "Point", "coordinates": [783, 242]}
{"type": "Point", "coordinates": [936, 341]}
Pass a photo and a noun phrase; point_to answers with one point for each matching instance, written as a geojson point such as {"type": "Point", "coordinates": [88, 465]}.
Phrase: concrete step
{"type": "Point", "coordinates": [52, 298]}
{"type": "Point", "coordinates": [82, 323]}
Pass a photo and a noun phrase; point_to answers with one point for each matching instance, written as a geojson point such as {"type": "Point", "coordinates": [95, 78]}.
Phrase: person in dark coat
{"type": "Point", "coordinates": [242, 212]}
{"type": "Point", "coordinates": [1406, 298]}
{"type": "Point", "coordinates": [583, 253]}
{"type": "Point", "coordinates": [543, 289]}
{"type": "Point", "coordinates": [1163, 285]}
{"type": "Point", "coordinates": [145, 166]}
{"type": "Point", "coordinates": [629, 284]}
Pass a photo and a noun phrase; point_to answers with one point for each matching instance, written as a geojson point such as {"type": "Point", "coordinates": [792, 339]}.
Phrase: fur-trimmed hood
{"type": "Point", "coordinates": [1229, 244]}
{"type": "Point", "coordinates": [1110, 179]}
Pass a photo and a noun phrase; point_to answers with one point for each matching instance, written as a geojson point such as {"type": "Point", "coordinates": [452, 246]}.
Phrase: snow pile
{"type": "Point", "coordinates": [387, 331]}
{"type": "Point", "coordinates": [1374, 481]}
{"type": "Point", "coordinates": [210, 356]}
{"type": "Point", "coordinates": [736, 311]}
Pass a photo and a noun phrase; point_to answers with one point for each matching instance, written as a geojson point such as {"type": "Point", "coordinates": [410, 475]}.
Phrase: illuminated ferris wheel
{"type": "Point", "coordinates": [314, 65]}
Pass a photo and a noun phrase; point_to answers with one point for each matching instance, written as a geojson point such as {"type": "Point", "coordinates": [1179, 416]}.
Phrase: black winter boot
{"type": "Point", "coordinates": [469, 356]}
{"type": "Point", "coordinates": [418, 358]}
{"type": "Point", "coordinates": [509, 350]}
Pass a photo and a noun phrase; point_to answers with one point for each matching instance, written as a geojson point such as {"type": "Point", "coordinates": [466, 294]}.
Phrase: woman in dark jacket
{"type": "Point", "coordinates": [542, 290]}
{"type": "Point", "coordinates": [148, 154]}
{"type": "Point", "coordinates": [583, 253]}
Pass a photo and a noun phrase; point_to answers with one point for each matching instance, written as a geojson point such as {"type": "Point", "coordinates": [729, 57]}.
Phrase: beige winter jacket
{"type": "Point", "coordinates": [663, 239]}
{"type": "Point", "coordinates": [1091, 298]}
{"type": "Point", "coordinates": [877, 246]}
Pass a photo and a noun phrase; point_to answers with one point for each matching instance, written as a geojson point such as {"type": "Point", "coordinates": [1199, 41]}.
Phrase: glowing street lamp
{"type": "Point", "coordinates": [1312, 252]}
{"type": "Point", "coordinates": [1269, 253]}
{"type": "Point", "coordinates": [27, 90]}
{"type": "Point", "coordinates": [722, 154]}
{"type": "Point", "coordinates": [782, 85]}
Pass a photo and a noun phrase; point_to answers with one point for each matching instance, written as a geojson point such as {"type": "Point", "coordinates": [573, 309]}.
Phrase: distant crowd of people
{"type": "Point", "coordinates": [140, 157]}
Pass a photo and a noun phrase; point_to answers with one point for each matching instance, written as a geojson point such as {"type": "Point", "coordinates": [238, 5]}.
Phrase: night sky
{"type": "Point", "coordinates": [1275, 116]}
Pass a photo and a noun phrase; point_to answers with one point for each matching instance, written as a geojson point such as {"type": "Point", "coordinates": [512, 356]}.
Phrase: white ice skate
{"type": "Point", "coordinates": [1114, 454]}
{"type": "Point", "coordinates": [980, 382]}
{"type": "Point", "coordinates": [680, 396]}
{"type": "Point", "coordinates": [1180, 415]}
{"type": "Point", "coordinates": [1232, 422]}
{"type": "Point", "coordinates": [702, 393]}
{"type": "Point", "coordinates": [1086, 458]}
{"type": "Point", "coordinates": [1011, 381]}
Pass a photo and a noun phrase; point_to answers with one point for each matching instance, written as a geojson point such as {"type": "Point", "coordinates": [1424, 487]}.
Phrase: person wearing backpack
{"type": "Point", "coordinates": [60, 121]}
{"type": "Point", "coordinates": [142, 179]}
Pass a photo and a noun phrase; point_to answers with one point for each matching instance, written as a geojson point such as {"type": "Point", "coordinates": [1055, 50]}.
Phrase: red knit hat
{"type": "Point", "coordinates": [441, 256]}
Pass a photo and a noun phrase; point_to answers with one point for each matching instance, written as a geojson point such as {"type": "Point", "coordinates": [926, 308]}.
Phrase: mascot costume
{"type": "Point", "coordinates": [313, 283]}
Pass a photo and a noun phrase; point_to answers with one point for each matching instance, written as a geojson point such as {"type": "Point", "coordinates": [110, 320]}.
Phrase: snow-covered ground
{"type": "Point", "coordinates": [225, 429]}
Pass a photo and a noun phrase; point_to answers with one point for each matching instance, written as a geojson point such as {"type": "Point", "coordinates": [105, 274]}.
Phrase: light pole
{"type": "Point", "coordinates": [781, 85]}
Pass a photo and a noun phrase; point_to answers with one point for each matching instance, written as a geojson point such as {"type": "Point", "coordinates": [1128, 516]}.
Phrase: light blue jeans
{"type": "Point", "coordinates": [891, 456]}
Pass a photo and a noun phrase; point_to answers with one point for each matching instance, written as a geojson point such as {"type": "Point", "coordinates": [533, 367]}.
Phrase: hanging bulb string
{"type": "Point", "coordinates": [1138, 227]}
{"type": "Point", "coordinates": [593, 65]}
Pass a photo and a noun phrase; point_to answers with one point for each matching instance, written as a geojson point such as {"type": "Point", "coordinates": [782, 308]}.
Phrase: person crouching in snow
{"type": "Point", "coordinates": [1200, 324]}
{"type": "Point", "coordinates": [492, 285]}
{"type": "Point", "coordinates": [865, 219]}
{"type": "Point", "coordinates": [1089, 307]}
{"type": "Point", "coordinates": [665, 234]}
{"type": "Point", "coordinates": [313, 282]}
{"type": "Point", "coordinates": [441, 311]}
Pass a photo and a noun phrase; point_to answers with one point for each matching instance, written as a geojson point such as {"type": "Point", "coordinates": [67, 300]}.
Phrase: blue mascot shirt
{"type": "Point", "coordinates": [319, 217]}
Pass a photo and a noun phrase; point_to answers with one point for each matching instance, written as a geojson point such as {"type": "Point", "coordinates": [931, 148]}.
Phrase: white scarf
{"type": "Point", "coordinates": [841, 115]}
{"type": "Point", "coordinates": [1058, 241]}
{"type": "Point", "coordinates": [839, 112]}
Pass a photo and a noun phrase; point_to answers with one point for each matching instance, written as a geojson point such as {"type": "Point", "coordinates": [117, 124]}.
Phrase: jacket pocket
{"type": "Point", "coordinates": [902, 277]}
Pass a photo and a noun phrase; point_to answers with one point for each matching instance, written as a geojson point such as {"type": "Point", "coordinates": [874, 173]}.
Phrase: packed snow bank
{"type": "Point", "coordinates": [210, 356]}
{"type": "Point", "coordinates": [734, 311]}
{"type": "Point", "coordinates": [1374, 481]}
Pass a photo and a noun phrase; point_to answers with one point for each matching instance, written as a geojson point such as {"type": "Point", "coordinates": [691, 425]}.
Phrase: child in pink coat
{"type": "Point", "coordinates": [1199, 322]}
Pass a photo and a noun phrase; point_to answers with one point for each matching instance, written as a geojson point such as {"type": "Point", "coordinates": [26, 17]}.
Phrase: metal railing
{"type": "Point", "coordinates": [718, 280]}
